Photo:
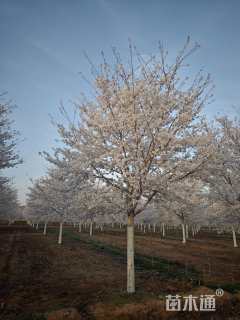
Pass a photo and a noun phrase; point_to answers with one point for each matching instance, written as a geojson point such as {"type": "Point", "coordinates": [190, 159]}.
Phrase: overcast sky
{"type": "Point", "coordinates": [42, 44]}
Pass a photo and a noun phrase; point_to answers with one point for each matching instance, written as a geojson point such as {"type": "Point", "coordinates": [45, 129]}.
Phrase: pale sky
{"type": "Point", "coordinates": [42, 44]}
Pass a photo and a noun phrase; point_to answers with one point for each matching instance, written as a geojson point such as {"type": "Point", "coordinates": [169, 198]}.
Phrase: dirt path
{"type": "Point", "coordinates": [22, 274]}
{"type": "Point", "coordinates": [37, 275]}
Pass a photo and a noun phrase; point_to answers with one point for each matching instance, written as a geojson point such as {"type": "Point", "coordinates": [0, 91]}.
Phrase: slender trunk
{"type": "Point", "coordinates": [186, 231]}
{"type": "Point", "coordinates": [154, 227]}
{"type": "Point", "coordinates": [193, 231]}
{"type": "Point", "coordinates": [183, 234]}
{"type": "Point", "coordinates": [130, 255]}
{"type": "Point", "coordinates": [45, 229]}
{"type": "Point", "coordinates": [37, 226]}
{"type": "Point", "coordinates": [163, 230]}
{"type": "Point", "coordinates": [80, 227]}
{"type": "Point", "coordinates": [60, 233]}
{"type": "Point", "coordinates": [234, 238]}
{"type": "Point", "coordinates": [91, 229]}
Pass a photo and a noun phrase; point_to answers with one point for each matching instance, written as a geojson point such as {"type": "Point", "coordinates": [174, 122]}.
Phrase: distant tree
{"type": "Point", "coordinates": [98, 201]}
{"type": "Point", "coordinates": [9, 206]}
{"type": "Point", "coordinates": [8, 159]}
{"type": "Point", "coordinates": [185, 200]}
{"type": "Point", "coordinates": [55, 197]}
{"type": "Point", "coordinates": [222, 174]}
{"type": "Point", "coordinates": [8, 138]}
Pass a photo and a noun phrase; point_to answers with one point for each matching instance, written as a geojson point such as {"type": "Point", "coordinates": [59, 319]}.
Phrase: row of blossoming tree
{"type": "Point", "coordinates": [9, 158]}
{"type": "Point", "coordinates": [142, 142]}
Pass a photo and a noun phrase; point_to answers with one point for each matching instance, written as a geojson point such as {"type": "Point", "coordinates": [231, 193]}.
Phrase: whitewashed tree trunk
{"type": "Point", "coordinates": [193, 232]}
{"type": "Point", "coordinates": [80, 227]}
{"type": "Point", "coordinates": [91, 229]}
{"type": "Point", "coordinates": [187, 231]}
{"type": "Point", "coordinates": [183, 233]}
{"type": "Point", "coordinates": [154, 227]}
{"type": "Point", "coordinates": [130, 256]}
{"type": "Point", "coordinates": [234, 238]}
{"type": "Point", "coordinates": [37, 226]}
{"type": "Point", "coordinates": [163, 230]}
{"type": "Point", "coordinates": [45, 229]}
{"type": "Point", "coordinates": [60, 233]}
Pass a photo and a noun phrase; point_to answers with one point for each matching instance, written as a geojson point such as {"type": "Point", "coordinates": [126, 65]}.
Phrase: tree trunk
{"type": "Point", "coordinates": [80, 227]}
{"type": "Point", "coordinates": [193, 232]}
{"type": "Point", "coordinates": [163, 230]}
{"type": "Point", "coordinates": [45, 229]}
{"type": "Point", "coordinates": [234, 238]}
{"type": "Point", "coordinates": [91, 229]}
{"type": "Point", "coordinates": [186, 231]}
{"type": "Point", "coordinates": [60, 233]}
{"type": "Point", "coordinates": [130, 255]}
{"type": "Point", "coordinates": [37, 226]}
{"type": "Point", "coordinates": [183, 233]}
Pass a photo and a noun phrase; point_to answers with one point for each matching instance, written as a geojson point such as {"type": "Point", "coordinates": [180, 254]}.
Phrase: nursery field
{"type": "Point", "coordinates": [38, 276]}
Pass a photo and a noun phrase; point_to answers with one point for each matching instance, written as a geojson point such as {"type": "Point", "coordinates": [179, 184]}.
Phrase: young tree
{"type": "Point", "coordinates": [9, 206]}
{"type": "Point", "coordinates": [184, 199]}
{"type": "Point", "coordinates": [8, 155]}
{"type": "Point", "coordinates": [222, 174]}
{"type": "Point", "coordinates": [143, 131]}
{"type": "Point", "coordinates": [56, 196]}
{"type": "Point", "coordinates": [37, 208]}
{"type": "Point", "coordinates": [98, 201]}
{"type": "Point", "coordinates": [8, 158]}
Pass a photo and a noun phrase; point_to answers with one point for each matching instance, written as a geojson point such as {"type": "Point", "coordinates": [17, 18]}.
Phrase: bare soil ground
{"type": "Point", "coordinates": [38, 276]}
